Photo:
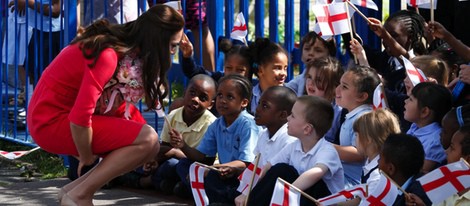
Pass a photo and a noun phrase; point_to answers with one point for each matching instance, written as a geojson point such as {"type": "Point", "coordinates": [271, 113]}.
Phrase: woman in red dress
{"type": "Point", "coordinates": [126, 62]}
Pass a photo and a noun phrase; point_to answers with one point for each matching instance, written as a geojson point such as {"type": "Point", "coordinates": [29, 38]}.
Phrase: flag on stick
{"type": "Point", "coordinates": [424, 4]}
{"type": "Point", "coordinates": [250, 175]}
{"type": "Point", "coordinates": [416, 75]}
{"type": "Point", "coordinates": [445, 181]}
{"type": "Point", "coordinates": [239, 30]}
{"type": "Point", "coordinates": [284, 194]}
{"type": "Point", "coordinates": [16, 154]}
{"type": "Point", "coordinates": [332, 18]}
{"type": "Point", "coordinates": [196, 178]}
{"type": "Point", "coordinates": [365, 3]}
{"type": "Point", "coordinates": [379, 100]}
{"type": "Point", "coordinates": [385, 193]}
{"type": "Point", "coordinates": [345, 195]}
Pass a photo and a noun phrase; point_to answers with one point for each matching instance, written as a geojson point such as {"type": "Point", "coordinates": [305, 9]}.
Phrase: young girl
{"type": "Point", "coordinates": [322, 76]}
{"type": "Point", "coordinates": [452, 121]}
{"type": "Point", "coordinates": [425, 107]}
{"type": "Point", "coordinates": [232, 137]}
{"type": "Point", "coordinates": [312, 47]}
{"type": "Point", "coordinates": [269, 65]}
{"type": "Point", "coordinates": [459, 148]}
{"type": "Point", "coordinates": [354, 93]}
{"type": "Point", "coordinates": [372, 129]}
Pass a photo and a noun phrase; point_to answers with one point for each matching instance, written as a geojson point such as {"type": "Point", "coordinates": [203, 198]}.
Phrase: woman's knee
{"type": "Point", "coordinates": [147, 137]}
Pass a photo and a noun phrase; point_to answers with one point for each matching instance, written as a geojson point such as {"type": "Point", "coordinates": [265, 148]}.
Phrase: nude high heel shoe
{"type": "Point", "coordinates": [67, 201]}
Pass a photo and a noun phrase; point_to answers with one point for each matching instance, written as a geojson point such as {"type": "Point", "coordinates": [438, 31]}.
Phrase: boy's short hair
{"type": "Point", "coordinates": [405, 152]}
{"type": "Point", "coordinates": [205, 78]}
{"type": "Point", "coordinates": [284, 98]}
{"type": "Point", "coordinates": [318, 112]}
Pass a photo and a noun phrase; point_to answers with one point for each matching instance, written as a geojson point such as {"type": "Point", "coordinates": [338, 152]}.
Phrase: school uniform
{"type": "Point", "coordinates": [412, 185]}
{"type": "Point", "coordinates": [352, 171]}
{"type": "Point", "coordinates": [256, 96]}
{"type": "Point", "coordinates": [456, 200]}
{"type": "Point", "coordinates": [332, 134]}
{"type": "Point", "coordinates": [371, 173]}
{"type": "Point", "coordinates": [269, 147]}
{"type": "Point", "coordinates": [430, 138]}
{"type": "Point", "coordinates": [297, 84]}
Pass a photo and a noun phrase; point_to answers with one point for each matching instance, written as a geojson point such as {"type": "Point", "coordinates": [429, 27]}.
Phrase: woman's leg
{"type": "Point", "coordinates": [117, 162]}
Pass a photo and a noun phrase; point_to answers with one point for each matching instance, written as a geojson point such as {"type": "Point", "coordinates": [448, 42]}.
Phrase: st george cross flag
{"type": "Point", "coordinates": [16, 154]}
{"type": "Point", "coordinates": [196, 178]}
{"type": "Point", "coordinates": [245, 178]}
{"type": "Point", "coordinates": [378, 99]}
{"type": "Point", "coordinates": [416, 75]}
{"type": "Point", "coordinates": [332, 18]}
{"type": "Point", "coordinates": [365, 3]}
{"type": "Point", "coordinates": [345, 195]}
{"type": "Point", "coordinates": [284, 195]}
{"type": "Point", "coordinates": [384, 194]}
{"type": "Point", "coordinates": [239, 30]}
{"type": "Point", "coordinates": [445, 181]}
{"type": "Point", "coordinates": [424, 4]}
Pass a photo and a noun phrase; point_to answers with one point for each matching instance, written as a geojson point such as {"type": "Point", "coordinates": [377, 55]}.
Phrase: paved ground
{"type": "Point", "coordinates": [17, 190]}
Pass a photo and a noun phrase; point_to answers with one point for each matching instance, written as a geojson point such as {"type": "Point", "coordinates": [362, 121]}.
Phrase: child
{"type": "Point", "coordinates": [354, 93]}
{"type": "Point", "coordinates": [372, 130]}
{"type": "Point", "coordinates": [452, 121]}
{"type": "Point", "coordinates": [232, 136]}
{"type": "Point", "coordinates": [401, 158]}
{"type": "Point", "coordinates": [322, 76]}
{"type": "Point", "coordinates": [433, 67]}
{"type": "Point", "coordinates": [311, 162]}
{"type": "Point", "coordinates": [269, 65]}
{"type": "Point", "coordinates": [425, 107]}
{"type": "Point", "coordinates": [272, 112]}
{"type": "Point", "coordinates": [459, 148]}
{"type": "Point", "coordinates": [189, 123]}
{"type": "Point", "coordinates": [312, 47]}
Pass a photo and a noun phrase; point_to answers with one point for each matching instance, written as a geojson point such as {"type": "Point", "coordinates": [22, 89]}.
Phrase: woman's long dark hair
{"type": "Point", "coordinates": [149, 36]}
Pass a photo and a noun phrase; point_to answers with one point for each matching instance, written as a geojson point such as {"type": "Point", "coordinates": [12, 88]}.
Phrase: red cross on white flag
{"type": "Point", "coordinates": [365, 3]}
{"type": "Point", "coordinates": [284, 195]}
{"type": "Point", "coordinates": [16, 154]}
{"type": "Point", "coordinates": [385, 193]}
{"type": "Point", "coordinates": [345, 195]}
{"type": "Point", "coordinates": [378, 99]}
{"type": "Point", "coordinates": [245, 178]}
{"type": "Point", "coordinates": [425, 4]}
{"type": "Point", "coordinates": [445, 181]}
{"type": "Point", "coordinates": [332, 18]}
{"type": "Point", "coordinates": [196, 178]}
{"type": "Point", "coordinates": [416, 75]}
{"type": "Point", "coordinates": [239, 30]}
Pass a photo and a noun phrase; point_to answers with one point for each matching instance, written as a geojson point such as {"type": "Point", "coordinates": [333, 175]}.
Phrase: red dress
{"type": "Point", "coordinates": [67, 92]}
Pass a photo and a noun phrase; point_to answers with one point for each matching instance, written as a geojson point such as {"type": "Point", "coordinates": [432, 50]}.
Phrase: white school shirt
{"type": "Point", "coordinates": [322, 153]}
{"type": "Point", "coordinates": [269, 147]}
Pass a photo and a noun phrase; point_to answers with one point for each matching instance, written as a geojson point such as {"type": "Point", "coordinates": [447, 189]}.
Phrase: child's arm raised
{"type": "Point", "coordinates": [359, 53]}
{"type": "Point", "coordinates": [439, 31]}
{"type": "Point", "coordinates": [395, 48]}
{"type": "Point", "coordinates": [310, 177]}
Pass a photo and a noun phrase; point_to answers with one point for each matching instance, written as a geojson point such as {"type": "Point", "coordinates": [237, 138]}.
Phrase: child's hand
{"type": "Point", "coordinates": [240, 200]}
{"type": "Point", "coordinates": [186, 47]}
{"type": "Point", "coordinates": [376, 26]}
{"type": "Point", "coordinates": [176, 139]}
{"type": "Point", "coordinates": [150, 166]}
{"type": "Point", "coordinates": [412, 199]}
{"type": "Point", "coordinates": [437, 30]}
{"type": "Point", "coordinates": [226, 171]}
{"type": "Point", "coordinates": [358, 51]}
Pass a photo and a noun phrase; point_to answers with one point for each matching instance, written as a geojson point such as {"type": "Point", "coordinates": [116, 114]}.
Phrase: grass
{"type": "Point", "coordinates": [47, 165]}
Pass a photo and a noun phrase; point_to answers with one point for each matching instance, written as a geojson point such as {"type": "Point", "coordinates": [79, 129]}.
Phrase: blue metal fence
{"type": "Point", "coordinates": [220, 16]}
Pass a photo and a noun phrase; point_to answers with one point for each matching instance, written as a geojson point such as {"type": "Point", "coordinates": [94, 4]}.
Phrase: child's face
{"type": "Point", "coordinates": [236, 64]}
{"type": "Point", "coordinates": [449, 127]}
{"type": "Point", "coordinates": [347, 95]}
{"type": "Point", "coordinates": [384, 165]}
{"type": "Point", "coordinates": [274, 73]}
{"type": "Point", "coordinates": [312, 80]}
{"type": "Point", "coordinates": [398, 32]}
{"type": "Point", "coordinates": [454, 152]}
{"type": "Point", "coordinates": [412, 111]}
{"type": "Point", "coordinates": [229, 101]}
{"type": "Point", "coordinates": [267, 112]}
{"type": "Point", "coordinates": [296, 122]}
{"type": "Point", "coordinates": [408, 85]}
{"type": "Point", "coordinates": [198, 97]}
{"type": "Point", "coordinates": [314, 51]}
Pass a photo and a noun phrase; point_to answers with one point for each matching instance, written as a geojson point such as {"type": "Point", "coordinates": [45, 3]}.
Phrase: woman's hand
{"type": "Point", "coordinates": [186, 47]}
{"type": "Point", "coordinates": [85, 160]}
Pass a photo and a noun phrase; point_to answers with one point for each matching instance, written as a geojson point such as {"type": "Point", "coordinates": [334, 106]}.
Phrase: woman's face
{"type": "Point", "coordinates": [175, 42]}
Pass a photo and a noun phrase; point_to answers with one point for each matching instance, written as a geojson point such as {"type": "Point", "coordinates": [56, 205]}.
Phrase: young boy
{"type": "Point", "coordinates": [310, 162]}
{"type": "Point", "coordinates": [274, 107]}
{"type": "Point", "coordinates": [188, 122]}
{"type": "Point", "coordinates": [402, 158]}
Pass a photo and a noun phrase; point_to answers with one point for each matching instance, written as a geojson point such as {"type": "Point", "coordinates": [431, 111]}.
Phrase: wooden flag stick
{"type": "Point", "coordinates": [208, 167]}
{"type": "Point", "coordinates": [465, 161]}
{"type": "Point", "coordinates": [350, 28]}
{"type": "Point", "coordinates": [299, 190]}
{"type": "Point", "coordinates": [250, 185]}
{"type": "Point", "coordinates": [398, 186]}
{"type": "Point", "coordinates": [432, 10]}
{"type": "Point", "coordinates": [359, 12]}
